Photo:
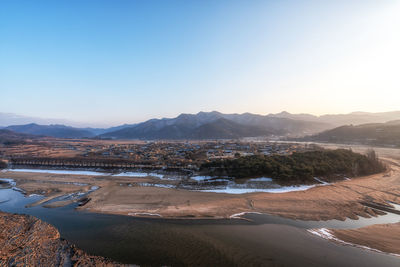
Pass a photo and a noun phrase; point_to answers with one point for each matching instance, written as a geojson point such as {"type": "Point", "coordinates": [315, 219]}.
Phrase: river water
{"type": "Point", "coordinates": [264, 241]}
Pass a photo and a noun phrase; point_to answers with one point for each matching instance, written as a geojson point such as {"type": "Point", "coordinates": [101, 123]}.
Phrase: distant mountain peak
{"type": "Point", "coordinates": [53, 130]}
{"type": "Point", "coordinates": [209, 112]}
{"type": "Point", "coordinates": [386, 134]}
{"type": "Point", "coordinates": [216, 125]}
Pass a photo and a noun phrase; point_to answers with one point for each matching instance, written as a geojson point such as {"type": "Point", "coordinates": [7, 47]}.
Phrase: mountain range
{"type": "Point", "coordinates": [216, 125]}
{"type": "Point", "coordinates": [54, 130]}
{"type": "Point", "coordinates": [211, 125]}
{"type": "Point", "coordinates": [387, 134]}
{"type": "Point", "coordinates": [10, 137]}
{"type": "Point", "coordinates": [7, 119]}
{"type": "Point", "coordinates": [344, 119]}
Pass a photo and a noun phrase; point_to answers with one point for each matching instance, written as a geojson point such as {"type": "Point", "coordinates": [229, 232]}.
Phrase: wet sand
{"type": "Point", "coordinates": [382, 237]}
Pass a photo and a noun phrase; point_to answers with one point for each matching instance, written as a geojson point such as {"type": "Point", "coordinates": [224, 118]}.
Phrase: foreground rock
{"type": "Point", "coordinates": [28, 241]}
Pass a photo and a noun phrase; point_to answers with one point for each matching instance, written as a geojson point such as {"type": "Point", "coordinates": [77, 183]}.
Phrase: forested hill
{"type": "Point", "coordinates": [8, 137]}
{"type": "Point", "coordinates": [383, 134]}
{"type": "Point", "coordinates": [300, 166]}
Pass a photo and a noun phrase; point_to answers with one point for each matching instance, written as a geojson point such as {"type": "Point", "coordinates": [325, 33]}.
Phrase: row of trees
{"type": "Point", "coordinates": [301, 166]}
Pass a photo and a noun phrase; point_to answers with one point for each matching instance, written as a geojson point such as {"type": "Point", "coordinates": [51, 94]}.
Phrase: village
{"type": "Point", "coordinates": [178, 154]}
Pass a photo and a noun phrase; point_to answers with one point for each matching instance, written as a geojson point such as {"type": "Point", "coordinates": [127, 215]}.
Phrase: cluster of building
{"type": "Point", "coordinates": [191, 153]}
{"type": "Point", "coordinates": [166, 153]}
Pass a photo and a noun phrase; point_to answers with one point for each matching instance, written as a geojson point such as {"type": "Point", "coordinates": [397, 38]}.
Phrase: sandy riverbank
{"type": "Point", "coordinates": [381, 237]}
{"type": "Point", "coordinates": [336, 201]}
{"type": "Point", "coordinates": [124, 195]}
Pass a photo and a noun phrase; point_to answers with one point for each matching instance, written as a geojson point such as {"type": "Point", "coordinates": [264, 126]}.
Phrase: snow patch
{"type": "Point", "coordinates": [157, 185]}
{"type": "Point", "coordinates": [284, 189]}
{"type": "Point", "coordinates": [35, 195]}
{"type": "Point", "coordinates": [218, 180]}
{"type": "Point", "coordinates": [240, 214]}
{"type": "Point", "coordinates": [261, 179]}
{"type": "Point", "coordinates": [8, 180]}
{"type": "Point", "coordinates": [395, 205]}
{"type": "Point", "coordinates": [72, 172]}
{"type": "Point", "coordinates": [200, 178]}
{"type": "Point", "coordinates": [144, 213]}
{"type": "Point", "coordinates": [320, 181]}
{"type": "Point", "coordinates": [140, 174]}
{"type": "Point", "coordinates": [93, 188]}
{"type": "Point", "coordinates": [80, 184]}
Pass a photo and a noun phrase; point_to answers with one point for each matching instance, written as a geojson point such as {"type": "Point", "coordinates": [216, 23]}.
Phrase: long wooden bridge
{"type": "Point", "coordinates": [87, 163]}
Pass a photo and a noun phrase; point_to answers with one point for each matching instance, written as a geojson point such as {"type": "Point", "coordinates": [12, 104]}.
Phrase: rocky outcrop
{"type": "Point", "coordinates": [28, 241]}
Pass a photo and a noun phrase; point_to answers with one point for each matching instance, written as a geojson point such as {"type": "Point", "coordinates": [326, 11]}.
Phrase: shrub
{"type": "Point", "coordinates": [3, 164]}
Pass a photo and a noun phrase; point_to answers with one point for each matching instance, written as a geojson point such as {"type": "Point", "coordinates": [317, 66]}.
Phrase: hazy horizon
{"type": "Point", "coordinates": [113, 62]}
{"type": "Point", "coordinates": [25, 119]}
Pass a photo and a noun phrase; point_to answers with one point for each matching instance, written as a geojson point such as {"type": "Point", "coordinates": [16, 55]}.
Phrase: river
{"type": "Point", "coordinates": [263, 240]}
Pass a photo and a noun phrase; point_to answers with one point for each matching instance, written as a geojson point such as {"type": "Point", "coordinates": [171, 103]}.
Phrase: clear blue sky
{"type": "Point", "coordinates": [115, 61]}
